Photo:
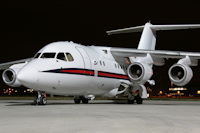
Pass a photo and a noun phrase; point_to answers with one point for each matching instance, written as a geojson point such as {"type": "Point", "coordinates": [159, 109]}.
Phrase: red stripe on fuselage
{"type": "Point", "coordinates": [112, 75]}
{"type": "Point", "coordinates": [78, 71]}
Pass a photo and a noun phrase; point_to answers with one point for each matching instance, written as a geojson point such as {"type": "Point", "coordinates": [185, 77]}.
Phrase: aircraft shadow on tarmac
{"type": "Point", "coordinates": [57, 102]}
{"type": "Point", "coordinates": [30, 104]}
{"type": "Point", "coordinates": [95, 102]}
{"type": "Point", "coordinates": [21, 103]}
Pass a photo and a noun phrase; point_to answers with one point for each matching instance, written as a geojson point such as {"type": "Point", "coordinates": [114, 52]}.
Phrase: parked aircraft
{"type": "Point", "coordinates": [70, 69]}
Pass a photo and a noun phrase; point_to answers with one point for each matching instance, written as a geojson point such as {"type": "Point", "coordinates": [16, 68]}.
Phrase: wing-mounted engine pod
{"type": "Point", "coordinates": [180, 74]}
{"type": "Point", "coordinates": [10, 77]}
{"type": "Point", "coordinates": [139, 73]}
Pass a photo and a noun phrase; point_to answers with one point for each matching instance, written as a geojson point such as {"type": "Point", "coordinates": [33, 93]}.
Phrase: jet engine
{"type": "Point", "coordinates": [10, 75]}
{"type": "Point", "coordinates": [180, 74]}
{"type": "Point", "coordinates": [139, 72]}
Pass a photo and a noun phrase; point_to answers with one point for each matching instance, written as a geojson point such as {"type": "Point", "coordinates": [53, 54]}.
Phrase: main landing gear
{"type": "Point", "coordinates": [40, 99]}
{"type": "Point", "coordinates": [138, 99]}
{"type": "Point", "coordinates": [132, 98]}
{"type": "Point", "coordinates": [78, 99]}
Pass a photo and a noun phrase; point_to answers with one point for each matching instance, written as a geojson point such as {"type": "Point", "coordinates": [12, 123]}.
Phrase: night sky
{"type": "Point", "coordinates": [27, 26]}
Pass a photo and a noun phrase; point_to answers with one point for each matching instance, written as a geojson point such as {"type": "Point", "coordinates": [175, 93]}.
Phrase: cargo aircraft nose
{"type": "Point", "coordinates": [27, 76]}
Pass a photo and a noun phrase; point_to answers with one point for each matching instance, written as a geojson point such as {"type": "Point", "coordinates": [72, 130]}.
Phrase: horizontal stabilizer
{"type": "Point", "coordinates": [153, 27]}
{"type": "Point", "coordinates": [148, 37]}
{"type": "Point", "coordinates": [126, 30]}
{"type": "Point", "coordinates": [174, 27]}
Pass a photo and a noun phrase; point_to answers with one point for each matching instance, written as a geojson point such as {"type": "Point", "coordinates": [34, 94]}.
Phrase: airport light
{"type": "Point", "coordinates": [198, 92]}
{"type": "Point", "coordinates": [30, 90]}
{"type": "Point", "coordinates": [177, 89]}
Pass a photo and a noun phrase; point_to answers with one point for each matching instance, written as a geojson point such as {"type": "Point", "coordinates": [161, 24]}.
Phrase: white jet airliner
{"type": "Point", "coordinates": [70, 69]}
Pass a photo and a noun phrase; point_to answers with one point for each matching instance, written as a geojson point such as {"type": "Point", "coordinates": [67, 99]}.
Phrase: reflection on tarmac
{"type": "Point", "coordinates": [99, 116]}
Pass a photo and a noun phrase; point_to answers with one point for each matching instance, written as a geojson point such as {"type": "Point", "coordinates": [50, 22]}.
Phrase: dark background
{"type": "Point", "coordinates": [27, 26]}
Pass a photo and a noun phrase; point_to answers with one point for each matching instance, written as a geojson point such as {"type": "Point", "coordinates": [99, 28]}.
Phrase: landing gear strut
{"type": "Point", "coordinates": [40, 99]}
{"type": "Point", "coordinates": [137, 98]}
{"type": "Point", "coordinates": [78, 99]}
{"type": "Point", "coordinates": [132, 98]}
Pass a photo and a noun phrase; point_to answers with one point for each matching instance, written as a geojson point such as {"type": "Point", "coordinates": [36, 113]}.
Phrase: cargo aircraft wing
{"type": "Point", "coordinates": [157, 55]}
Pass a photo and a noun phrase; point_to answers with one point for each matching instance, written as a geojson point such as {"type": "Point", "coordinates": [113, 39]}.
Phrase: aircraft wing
{"type": "Point", "coordinates": [126, 52]}
{"type": "Point", "coordinates": [6, 65]}
{"type": "Point", "coordinates": [156, 54]}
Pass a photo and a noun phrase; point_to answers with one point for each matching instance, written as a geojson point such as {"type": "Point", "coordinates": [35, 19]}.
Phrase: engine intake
{"type": "Point", "coordinates": [180, 74]}
{"type": "Point", "coordinates": [139, 73]}
{"type": "Point", "coordinates": [10, 77]}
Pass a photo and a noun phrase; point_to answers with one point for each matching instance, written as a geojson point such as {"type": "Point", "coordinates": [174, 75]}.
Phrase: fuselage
{"type": "Point", "coordinates": [67, 68]}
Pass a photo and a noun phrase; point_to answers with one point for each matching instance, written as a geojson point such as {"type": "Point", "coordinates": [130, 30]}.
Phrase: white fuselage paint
{"type": "Point", "coordinates": [93, 71]}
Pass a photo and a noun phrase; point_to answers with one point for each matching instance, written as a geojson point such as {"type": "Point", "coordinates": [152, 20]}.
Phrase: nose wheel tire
{"type": "Point", "coordinates": [40, 99]}
{"type": "Point", "coordinates": [43, 100]}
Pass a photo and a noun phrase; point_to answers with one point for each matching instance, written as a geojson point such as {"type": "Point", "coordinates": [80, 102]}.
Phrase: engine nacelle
{"type": "Point", "coordinates": [180, 74]}
{"type": "Point", "coordinates": [139, 73]}
{"type": "Point", "coordinates": [10, 75]}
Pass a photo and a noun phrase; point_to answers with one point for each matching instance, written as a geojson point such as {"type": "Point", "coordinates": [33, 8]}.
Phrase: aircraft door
{"type": "Point", "coordinates": [86, 58]}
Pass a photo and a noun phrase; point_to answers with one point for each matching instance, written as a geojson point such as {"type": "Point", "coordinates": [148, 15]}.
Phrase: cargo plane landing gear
{"type": "Point", "coordinates": [40, 99]}
{"type": "Point", "coordinates": [132, 97]}
{"type": "Point", "coordinates": [78, 99]}
{"type": "Point", "coordinates": [138, 99]}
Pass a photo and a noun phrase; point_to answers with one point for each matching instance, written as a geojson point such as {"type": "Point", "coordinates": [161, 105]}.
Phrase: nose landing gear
{"type": "Point", "coordinates": [40, 99]}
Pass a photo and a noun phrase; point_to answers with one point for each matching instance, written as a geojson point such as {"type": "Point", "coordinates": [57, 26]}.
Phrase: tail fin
{"type": "Point", "coordinates": [148, 37]}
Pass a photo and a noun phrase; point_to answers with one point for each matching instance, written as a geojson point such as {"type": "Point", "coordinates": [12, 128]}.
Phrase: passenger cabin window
{"type": "Point", "coordinates": [61, 56]}
{"type": "Point", "coordinates": [103, 63]}
{"type": "Point", "coordinates": [37, 55]}
{"type": "Point", "coordinates": [69, 57]}
{"type": "Point", "coordinates": [48, 55]}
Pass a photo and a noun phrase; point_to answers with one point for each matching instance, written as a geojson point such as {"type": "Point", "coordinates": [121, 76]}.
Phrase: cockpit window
{"type": "Point", "coordinates": [48, 55]}
{"type": "Point", "coordinates": [69, 57]}
{"type": "Point", "coordinates": [61, 56]}
{"type": "Point", "coordinates": [37, 55]}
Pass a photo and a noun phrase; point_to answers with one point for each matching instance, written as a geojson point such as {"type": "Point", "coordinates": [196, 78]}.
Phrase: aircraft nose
{"type": "Point", "coordinates": [27, 76]}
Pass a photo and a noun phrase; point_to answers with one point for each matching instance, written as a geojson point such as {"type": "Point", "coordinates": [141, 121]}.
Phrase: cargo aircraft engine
{"type": "Point", "coordinates": [139, 72]}
{"type": "Point", "coordinates": [180, 74]}
{"type": "Point", "coordinates": [10, 75]}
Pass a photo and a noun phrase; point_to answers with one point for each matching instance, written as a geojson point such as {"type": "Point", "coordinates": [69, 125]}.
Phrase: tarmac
{"type": "Point", "coordinates": [99, 116]}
